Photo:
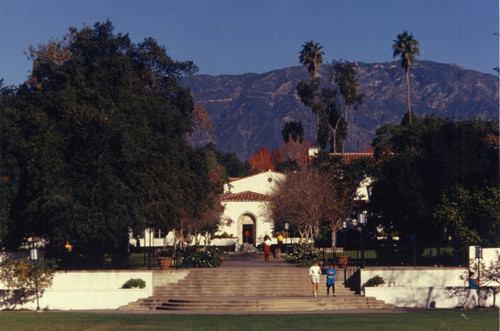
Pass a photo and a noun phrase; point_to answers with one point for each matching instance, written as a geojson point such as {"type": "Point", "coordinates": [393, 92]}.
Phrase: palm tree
{"type": "Point", "coordinates": [406, 46]}
{"type": "Point", "coordinates": [311, 57]}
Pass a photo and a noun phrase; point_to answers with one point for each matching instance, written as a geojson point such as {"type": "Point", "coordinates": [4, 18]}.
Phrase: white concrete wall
{"type": "Point", "coordinates": [258, 183]}
{"type": "Point", "coordinates": [422, 287]}
{"type": "Point", "coordinates": [73, 290]}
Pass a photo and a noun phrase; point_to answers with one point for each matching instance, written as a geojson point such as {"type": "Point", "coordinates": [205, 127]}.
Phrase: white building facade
{"type": "Point", "coordinates": [245, 199]}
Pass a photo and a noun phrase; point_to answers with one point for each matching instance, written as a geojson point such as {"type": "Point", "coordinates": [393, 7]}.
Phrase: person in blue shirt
{"type": "Point", "coordinates": [472, 294]}
{"type": "Point", "coordinates": [330, 280]}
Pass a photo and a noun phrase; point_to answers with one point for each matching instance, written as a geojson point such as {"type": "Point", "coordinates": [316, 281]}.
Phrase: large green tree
{"type": "Point", "coordinates": [325, 100]}
{"type": "Point", "coordinates": [423, 165]}
{"type": "Point", "coordinates": [94, 145]}
{"type": "Point", "coordinates": [407, 47]}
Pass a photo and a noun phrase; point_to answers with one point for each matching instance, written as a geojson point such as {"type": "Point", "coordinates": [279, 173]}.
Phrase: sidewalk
{"type": "Point", "coordinates": [252, 260]}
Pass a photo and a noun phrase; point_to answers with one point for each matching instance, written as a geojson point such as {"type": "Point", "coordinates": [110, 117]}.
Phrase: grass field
{"type": "Point", "coordinates": [484, 320]}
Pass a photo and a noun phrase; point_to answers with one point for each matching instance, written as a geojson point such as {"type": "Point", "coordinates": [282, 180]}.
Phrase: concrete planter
{"type": "Point", "coordinates": [164, 262]}
{"type": "Point", "coordinates": [343, 261]}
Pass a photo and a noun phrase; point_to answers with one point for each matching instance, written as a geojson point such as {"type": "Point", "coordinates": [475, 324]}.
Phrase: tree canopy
{"type": "Point", "coordinates": [435, 169]}
{"type": "Point", "coordinates": [93, 144]}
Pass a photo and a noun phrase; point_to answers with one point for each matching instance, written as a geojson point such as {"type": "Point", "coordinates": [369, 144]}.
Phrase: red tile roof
{"type": "Point", "coordinates": [349, 157]}
{"type": "Point", "coordinates": [245, 196]}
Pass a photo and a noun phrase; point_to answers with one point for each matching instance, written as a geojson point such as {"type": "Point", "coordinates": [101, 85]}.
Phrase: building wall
{"type": "Point", "coordinates": [258, 183]}
{"type": "Point", "coordinates": [235, 210]}
{"type": "Point", "coordinates": [425, 287]}
{"type": "Point", "coordinates": [73, 290]}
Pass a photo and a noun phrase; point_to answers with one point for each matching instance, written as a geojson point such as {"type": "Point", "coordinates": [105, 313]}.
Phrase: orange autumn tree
{"type": "Point", "coordinates": [261, 161]}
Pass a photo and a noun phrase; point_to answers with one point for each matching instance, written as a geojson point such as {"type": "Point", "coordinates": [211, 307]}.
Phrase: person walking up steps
{"type": "Point", "coordinates": [330, 280]}
{"type": "Point", "coordinates": [314, 276]}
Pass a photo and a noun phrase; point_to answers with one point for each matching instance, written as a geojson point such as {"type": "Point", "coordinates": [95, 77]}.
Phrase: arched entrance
{"type": "Point", "coordinates": [248, 229]}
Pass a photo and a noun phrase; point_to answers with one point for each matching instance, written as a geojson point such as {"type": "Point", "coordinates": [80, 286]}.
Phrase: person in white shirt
{"type": "Point", "coordinates": [314, 275]}
{"type": "Point", "coordinates": [267, 247]}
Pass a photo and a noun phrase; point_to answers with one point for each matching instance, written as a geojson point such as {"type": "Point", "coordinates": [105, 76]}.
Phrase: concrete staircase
{"type": "Point", "coordinates": [256, 288]}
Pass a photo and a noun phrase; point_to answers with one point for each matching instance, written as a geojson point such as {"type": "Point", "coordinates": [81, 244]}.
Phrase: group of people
{"type": "Point", "coordinates": [267, 247]}
{"type": "Point", "coordinates": [314, 276]}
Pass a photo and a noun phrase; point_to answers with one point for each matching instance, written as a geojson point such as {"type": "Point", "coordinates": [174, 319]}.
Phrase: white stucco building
{"type": "Point", "coordinates": [244, 200]}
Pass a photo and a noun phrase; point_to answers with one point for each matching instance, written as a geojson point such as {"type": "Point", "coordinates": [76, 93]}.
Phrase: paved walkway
{"type": "Point", "coordinates": [252, 260]}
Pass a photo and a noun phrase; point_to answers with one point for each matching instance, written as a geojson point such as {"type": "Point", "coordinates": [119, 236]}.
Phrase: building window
{"type": "Point", "coordinates": [158, 233]}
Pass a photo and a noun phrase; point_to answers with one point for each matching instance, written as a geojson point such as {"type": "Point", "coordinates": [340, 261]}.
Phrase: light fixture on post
{"type": "Point", "coordinates": [287, 226]}
{"type": "Point", "coordinates": [479, 256]}
{"type": "Point", "coordinates": [362, 222]}
{"type": "Point", "coordinates": [34, 258]}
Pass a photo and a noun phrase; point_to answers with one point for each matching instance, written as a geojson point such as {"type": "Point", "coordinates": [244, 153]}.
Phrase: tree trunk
{"type": "Point", "coordinates": [334, 239]}
{"type": "Point", "coordinates": [408, 89]}
{"type": "Point", "coordinates": [345, 118]}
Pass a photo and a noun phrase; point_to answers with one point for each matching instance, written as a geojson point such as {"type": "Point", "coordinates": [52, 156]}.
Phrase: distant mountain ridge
{"type": "Point", "coordinates": [249, 110]}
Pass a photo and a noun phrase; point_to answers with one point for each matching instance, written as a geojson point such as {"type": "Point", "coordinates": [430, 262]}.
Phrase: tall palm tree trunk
{"type": "Point", "coordinates": [345, 118]}
{"type": "Point", "coordinates": [408, 88]}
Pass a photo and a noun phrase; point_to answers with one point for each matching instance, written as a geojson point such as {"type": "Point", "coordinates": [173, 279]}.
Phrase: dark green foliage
{"type": "Point", "coordinates": [230, 161]}
{"type": "Point", "coordinates": [332, 128]}
{"type": "Point", "coordinates": [343, 75]}
{"type": "Point", "coordinates": [293, 130]}
{"type": "Point", "coordinates": [195, 257]}
{"type": "Point", "coordinates": [375, 281]}
{"type": "Point", "coordinates": [324, 101]}
{"type": "Point", "coordinates": [422, 161]}
{"type": "Point", "coordinates": [94, 147]}
{"type": "Point", "coordinates": [134, 283]}
{"type": "Point", "coordinates": [303, 254]}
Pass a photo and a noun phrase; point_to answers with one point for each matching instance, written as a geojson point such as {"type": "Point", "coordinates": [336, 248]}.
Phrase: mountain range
{"type": "Point", "coordinates": [249, 110]}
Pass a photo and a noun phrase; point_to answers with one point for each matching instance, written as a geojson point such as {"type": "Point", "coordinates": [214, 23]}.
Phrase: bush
{"type": "Point", "coordinates": [303, 254]}
{"type": "Point", "coordinates": [196, 257]}
{"type": "Point", "coordinates": [134, 283]}
{"type": "Point", "coordinates": [224, 235]}
{"type": "Point", "coordinates": [375, 281]}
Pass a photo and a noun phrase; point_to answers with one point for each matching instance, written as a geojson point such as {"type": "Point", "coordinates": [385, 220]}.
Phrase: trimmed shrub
{"type": "Point", "coordinates": [375, 281]}
{"type": "Point", "coordinates": [134, 283]}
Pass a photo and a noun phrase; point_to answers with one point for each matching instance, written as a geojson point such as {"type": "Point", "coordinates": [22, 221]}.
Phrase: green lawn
{"type": "Point", "coordinates": [483, 320]}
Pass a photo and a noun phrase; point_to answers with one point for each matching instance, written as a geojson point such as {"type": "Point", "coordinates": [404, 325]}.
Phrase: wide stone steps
{"type": "Point", "coordinates": [246, 290]}
{"type": "Point", "coordinates": [252, 286]}
{"type": "Point", "coordinates": [269, 304]}
{"type": "Point", "coordinates": [246, 282]}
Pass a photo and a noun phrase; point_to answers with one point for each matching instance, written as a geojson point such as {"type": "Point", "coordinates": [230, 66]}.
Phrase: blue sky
{"type": "Point", "coordinates": [234, 37]}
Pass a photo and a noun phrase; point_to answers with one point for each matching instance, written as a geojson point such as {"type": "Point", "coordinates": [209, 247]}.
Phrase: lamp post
{"type": "Point", "coordinates": [287, 226]}
{"type": "Point", "coordinates": [362, 222]}
{"type": "Point", "coordinates": [479, 256]}
{"type": "Point", "coordinates": [34, 258]}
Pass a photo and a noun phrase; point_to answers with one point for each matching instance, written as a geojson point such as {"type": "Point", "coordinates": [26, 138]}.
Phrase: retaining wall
{"type": "Point", "coordinates": [421, 287]}
{"type": "Point", "coordinates": [73, 290]}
